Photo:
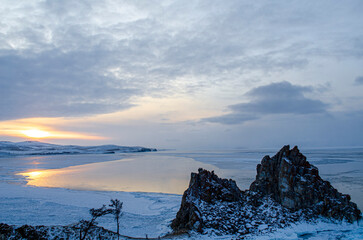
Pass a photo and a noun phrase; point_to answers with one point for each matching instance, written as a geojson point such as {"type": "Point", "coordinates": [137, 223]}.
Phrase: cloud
{"type": "Point", "coordinates": [231, 118]}
{"type": "Point", "coordinates": [359, 80]}
{"type": "Point", "coordinates": [271, 99]}
{"type": "Point", "coordinates": [54, 84]}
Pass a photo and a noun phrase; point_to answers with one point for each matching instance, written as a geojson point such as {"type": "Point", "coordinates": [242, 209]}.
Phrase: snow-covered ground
{"type": "Point", "coordinates": [151, 213]}
{"type": "Point", "coordinates": [144, 213]}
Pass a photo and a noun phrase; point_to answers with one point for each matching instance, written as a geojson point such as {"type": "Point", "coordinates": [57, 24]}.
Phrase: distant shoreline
{"type": "Point", "coordinates": [32, 148]}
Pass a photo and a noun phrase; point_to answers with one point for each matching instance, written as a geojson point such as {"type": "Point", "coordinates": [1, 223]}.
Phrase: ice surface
{"type": "Point", "coordinates": [151, 173]}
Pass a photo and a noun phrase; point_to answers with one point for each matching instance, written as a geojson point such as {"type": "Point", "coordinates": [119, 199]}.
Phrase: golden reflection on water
{"type": "Point", "coordinates": [164, 174]}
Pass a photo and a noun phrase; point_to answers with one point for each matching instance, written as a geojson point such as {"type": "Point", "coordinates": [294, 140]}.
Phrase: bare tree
{"type": "Point", "coordinates": [116, 210]}
{"type": "Point", "coordinates": [86, 225]}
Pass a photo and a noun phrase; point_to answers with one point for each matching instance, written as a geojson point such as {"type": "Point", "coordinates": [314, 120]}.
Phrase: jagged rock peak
{"type": "Point", "coordinates": [293, 182]}
{"type": "Point", "coordinates": [294, 155]}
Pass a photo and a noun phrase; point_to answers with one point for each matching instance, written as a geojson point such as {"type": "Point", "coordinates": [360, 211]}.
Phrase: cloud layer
{"type": "Point", "coordinates": [56, 84]}
{"type": "Point", "coordinates": [274, 98]}
{"type": "Point", "coordinates": [76, 58]}
{"type": "Point", "coordinates": [359, 80]}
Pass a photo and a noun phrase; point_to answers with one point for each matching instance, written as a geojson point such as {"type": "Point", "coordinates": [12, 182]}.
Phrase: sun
{"type": "Point", "coordinates": [35, 133]}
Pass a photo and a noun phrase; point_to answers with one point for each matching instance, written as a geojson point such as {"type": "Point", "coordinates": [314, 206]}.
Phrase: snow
{"type": "Point", "coordinates": [144, 213]}
{"type": "Point", "coordinates": [322, 230]}
{"type": "Point", "coordinates": [38, 148]}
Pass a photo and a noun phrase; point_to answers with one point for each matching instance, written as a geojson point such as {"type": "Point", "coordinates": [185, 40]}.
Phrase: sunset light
{"type": "Point", "coordinates": [41, 128]}
{"type": "Point", "coordinates": [35, 133]}
{"type": "Point", "coordinates": [32, 175]}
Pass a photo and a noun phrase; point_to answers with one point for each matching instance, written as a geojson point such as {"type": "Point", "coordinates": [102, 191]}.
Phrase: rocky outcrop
{"type": "Point", "coordinates": [295, 183]}
{"type": "Point", "coordinates": [287, 189]}
{"type": "Point", "coordinates": [207, 187]}
{"type": "Point", "coordinates": [214, 204]}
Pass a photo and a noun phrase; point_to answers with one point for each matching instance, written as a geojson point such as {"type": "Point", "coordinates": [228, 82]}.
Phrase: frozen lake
{"type": "Point", "coordinates": [149, 184]}
{"type": "Point", "coordinates": [142, 173]}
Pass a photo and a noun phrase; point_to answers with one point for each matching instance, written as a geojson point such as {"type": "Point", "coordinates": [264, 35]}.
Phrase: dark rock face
{"type": "Point", "coordinates": [294, 183]}
{"type": "Point", "coordinates": [287, 189]}
{"type": "Point", "coordinates": [207, 187]}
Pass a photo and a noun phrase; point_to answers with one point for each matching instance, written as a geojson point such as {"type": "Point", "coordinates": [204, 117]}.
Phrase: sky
{"type": "Point", "coordinates": [182, 74]}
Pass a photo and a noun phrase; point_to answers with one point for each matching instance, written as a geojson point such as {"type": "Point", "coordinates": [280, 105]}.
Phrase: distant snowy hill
{"type": "Point", "coordinates": [38, 148]}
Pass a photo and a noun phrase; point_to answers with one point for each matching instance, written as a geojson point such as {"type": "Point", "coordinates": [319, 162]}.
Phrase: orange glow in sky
{"type": "Point", "coordinates": [35, 133]}
{"type": "Point", "coordinates": [39, 129]}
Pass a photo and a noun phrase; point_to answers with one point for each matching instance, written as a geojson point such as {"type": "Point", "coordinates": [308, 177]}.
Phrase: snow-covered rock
{"type": "Point", "coordinates": [52, 232]}
{"type": "Point", "coordinates": [205, 187]}
{"type": "Point", "coordinates": [295, 183]}
{"type": "Point", "coordinates": [287, 189]}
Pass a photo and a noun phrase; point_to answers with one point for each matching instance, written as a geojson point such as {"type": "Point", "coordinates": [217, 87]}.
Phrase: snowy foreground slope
{"type": "Point", "coordinates": [144, 213]}
{"type": "Point", "coordinates": [38, 148]}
